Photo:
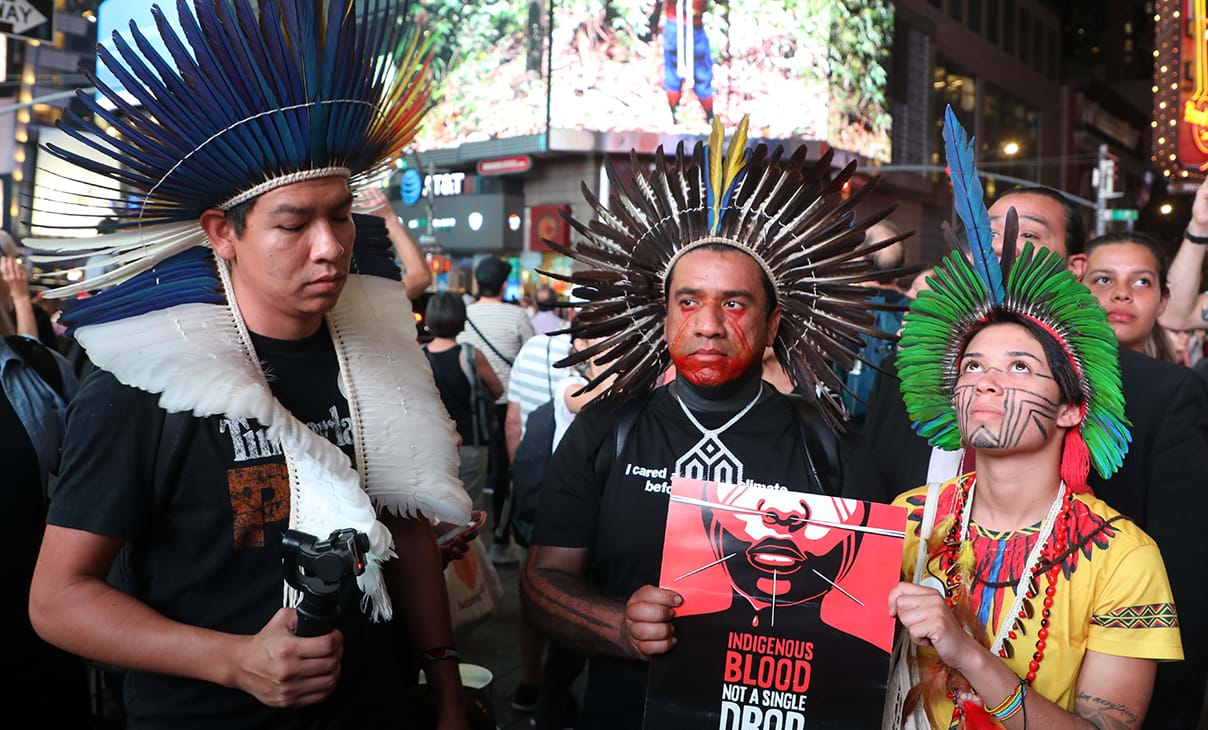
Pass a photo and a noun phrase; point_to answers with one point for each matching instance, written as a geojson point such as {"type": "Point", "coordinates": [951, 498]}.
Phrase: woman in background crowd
{"type": "Point", "coordinates": [1127, 274]}
{"type": "Point", "coordinates": [461, 373]}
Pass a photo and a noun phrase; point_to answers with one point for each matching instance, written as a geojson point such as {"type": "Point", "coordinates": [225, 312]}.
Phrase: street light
{"type": "Point", "coordinates": [1166, 209]}
{"type": "Point", "coordinates": [1010, 149]}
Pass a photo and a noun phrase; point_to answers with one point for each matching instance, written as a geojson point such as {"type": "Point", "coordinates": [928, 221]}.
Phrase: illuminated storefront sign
{"type": "Point", "coordinates": [1180, 88]}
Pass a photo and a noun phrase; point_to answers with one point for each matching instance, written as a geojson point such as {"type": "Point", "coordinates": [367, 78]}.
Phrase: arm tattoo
{"type": "Point", "coordinates": [1104, 714]}
{"type": "Point", "coordinates": [1204, 313]}
{"type": "Point", "coordinates": [567, 609]}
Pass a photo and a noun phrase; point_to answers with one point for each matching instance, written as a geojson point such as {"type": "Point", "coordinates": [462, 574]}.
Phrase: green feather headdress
{"type": "Point", "coordinates": [1036, 285]}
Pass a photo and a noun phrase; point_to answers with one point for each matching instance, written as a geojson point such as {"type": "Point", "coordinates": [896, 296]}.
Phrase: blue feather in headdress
{"type": "Point", "coordinates": [242, 93]}
{"type": "Point", "coordinates": [969, 201]}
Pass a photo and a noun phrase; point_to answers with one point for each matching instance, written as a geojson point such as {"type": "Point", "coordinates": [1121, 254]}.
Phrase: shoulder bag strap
{"type": "Point", "coordinates": [549, 375]}
{"type": "Point", "coordinates": [487, 342]}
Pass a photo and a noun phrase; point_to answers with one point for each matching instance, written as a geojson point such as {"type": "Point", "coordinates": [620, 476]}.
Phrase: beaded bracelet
{"type": "Point", "coordinates": [1011, 706]}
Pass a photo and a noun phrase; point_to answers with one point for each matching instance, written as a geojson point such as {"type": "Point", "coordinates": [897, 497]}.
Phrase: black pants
{"type": "Point", "coordinates": [501, 502]}
{"type": "Point", "coordinates": [555, 705]}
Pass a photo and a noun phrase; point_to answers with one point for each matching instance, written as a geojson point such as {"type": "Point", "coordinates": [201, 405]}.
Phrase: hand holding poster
{"type": "Point", "coordinates": [785, 622]}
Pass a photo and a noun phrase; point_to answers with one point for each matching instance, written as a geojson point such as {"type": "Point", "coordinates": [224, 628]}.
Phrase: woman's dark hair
{"type": "Point", "coordinates": [1075, 229]}
{"type": "Point", "coordinates": [1069, 390]}
{"type": "Point", "coordinates": [445, 315]}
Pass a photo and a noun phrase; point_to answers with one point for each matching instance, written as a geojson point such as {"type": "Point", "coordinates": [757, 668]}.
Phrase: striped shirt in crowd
{"type": "Point", "coordinates": [532, 380]}
{"type": "Point", "coordinates": [505, 326]}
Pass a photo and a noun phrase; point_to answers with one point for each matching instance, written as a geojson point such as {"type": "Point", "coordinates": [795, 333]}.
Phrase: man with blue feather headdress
{"type": "Point", "coordinates": [258, 372]}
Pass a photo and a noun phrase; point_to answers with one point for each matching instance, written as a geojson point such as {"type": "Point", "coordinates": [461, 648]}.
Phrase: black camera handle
{"type": "Point", "coordinates": [318, 570]}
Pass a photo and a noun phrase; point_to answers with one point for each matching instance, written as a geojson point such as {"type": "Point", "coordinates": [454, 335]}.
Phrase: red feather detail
{"type": "Point", "coordinates": [1075, 462]}
{"type": "Point", "coordinates": [932, 686]}
{"type": "Point", "coordinates": [974, 715]}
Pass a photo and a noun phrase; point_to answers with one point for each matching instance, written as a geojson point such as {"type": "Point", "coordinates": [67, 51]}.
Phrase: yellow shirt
{"type": "Point", "coordinates": [1112, 595]}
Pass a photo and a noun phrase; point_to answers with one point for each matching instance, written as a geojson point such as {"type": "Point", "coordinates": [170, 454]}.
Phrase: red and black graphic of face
{"type": "Point", "coordinates": [776, 551]}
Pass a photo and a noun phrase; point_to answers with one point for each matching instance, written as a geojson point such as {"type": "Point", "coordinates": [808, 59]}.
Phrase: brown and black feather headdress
{"type": "Point", "coordinates": [788, 214]}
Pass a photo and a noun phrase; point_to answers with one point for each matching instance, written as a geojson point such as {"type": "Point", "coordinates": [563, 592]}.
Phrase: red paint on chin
{"type": "Point", "coordinates": [709, 368]}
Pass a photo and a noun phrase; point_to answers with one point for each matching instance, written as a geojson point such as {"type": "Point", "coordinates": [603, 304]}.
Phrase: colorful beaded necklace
{"type": "Point", "coordinates": [957, 561]}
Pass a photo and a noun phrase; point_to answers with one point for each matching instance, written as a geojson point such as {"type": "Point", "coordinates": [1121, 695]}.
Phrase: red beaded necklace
{"type": "Point", "coordinates": [957, 582]}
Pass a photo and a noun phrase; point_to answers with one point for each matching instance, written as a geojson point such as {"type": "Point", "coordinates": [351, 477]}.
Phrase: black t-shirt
{"type": "Point", "coordinates": [202, 504]}
{"type": "Point", "coordinates": [622, 520]}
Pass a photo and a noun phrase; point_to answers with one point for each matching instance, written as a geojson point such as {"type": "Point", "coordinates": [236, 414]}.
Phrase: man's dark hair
{"type": "Point", "coordinates": [769, 291]}
{"type": "Point", "coordinates": [1069, 390]}
{"type": "Point", "coordinates": [236, 215]}
{"type": "Point", "coordinates": [1075, 229]}
{"type": "Point", "coordinates": [1141, 239]}
{"type": "Point", "coordinates": [445, 315]}
{"type": "Point", "coordinates": [491, 273]}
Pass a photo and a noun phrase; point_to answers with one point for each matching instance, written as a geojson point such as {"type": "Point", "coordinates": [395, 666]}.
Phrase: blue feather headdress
{"type": "Point", "coordinates": [786, 213]}
{"type": "Point", "coordinates": [244, 102]}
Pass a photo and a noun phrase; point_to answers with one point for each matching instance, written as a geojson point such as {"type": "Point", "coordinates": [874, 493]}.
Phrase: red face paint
{"type": "Point", "coordinates": [708, 364]}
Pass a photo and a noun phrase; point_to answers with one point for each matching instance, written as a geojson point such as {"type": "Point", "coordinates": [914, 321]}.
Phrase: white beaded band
{"type": "Point", "coordinates": [276, 182]}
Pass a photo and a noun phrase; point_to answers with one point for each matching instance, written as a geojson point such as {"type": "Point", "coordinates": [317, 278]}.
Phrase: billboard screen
{"type": "Point", "coordinates": [800, 68]}
{"type": "Point", "coordinates": [814, 69]}
{"type": "Point", "coordinates": [491, 57]}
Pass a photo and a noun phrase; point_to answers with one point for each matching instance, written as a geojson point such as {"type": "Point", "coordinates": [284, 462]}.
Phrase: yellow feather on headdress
{"type": "Point", "coordinates": [725, 164]}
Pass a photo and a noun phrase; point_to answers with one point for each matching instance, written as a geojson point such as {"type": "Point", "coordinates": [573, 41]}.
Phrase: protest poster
{"type": "Point", "coordinates": [785, 622]}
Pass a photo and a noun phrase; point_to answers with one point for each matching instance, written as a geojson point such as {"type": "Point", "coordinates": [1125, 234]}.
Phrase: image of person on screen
{"type": "Point", "coordinates": [776, 546]}
{"type": "Point", "coordinates": [686, 53]}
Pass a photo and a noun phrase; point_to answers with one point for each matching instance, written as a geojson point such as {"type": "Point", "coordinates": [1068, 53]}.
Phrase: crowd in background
{"type": "Point", "coordinates": [495, 364]}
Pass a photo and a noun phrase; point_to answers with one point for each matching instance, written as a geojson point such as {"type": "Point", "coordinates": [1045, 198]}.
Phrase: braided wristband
{"type": "Point", "coordinates": [1011, 706]}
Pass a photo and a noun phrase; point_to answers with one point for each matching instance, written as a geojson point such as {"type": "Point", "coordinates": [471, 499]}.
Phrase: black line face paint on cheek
{"type": "Point", "coordinates": [1021, 407]}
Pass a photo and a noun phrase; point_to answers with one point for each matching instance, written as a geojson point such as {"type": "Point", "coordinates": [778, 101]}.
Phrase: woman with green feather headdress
{"type": "Point", "coordinates": [1028, 596]}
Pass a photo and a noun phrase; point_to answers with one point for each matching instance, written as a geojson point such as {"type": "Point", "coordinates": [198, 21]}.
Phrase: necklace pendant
{"type": "Point", "coordinates": [710, 461]}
